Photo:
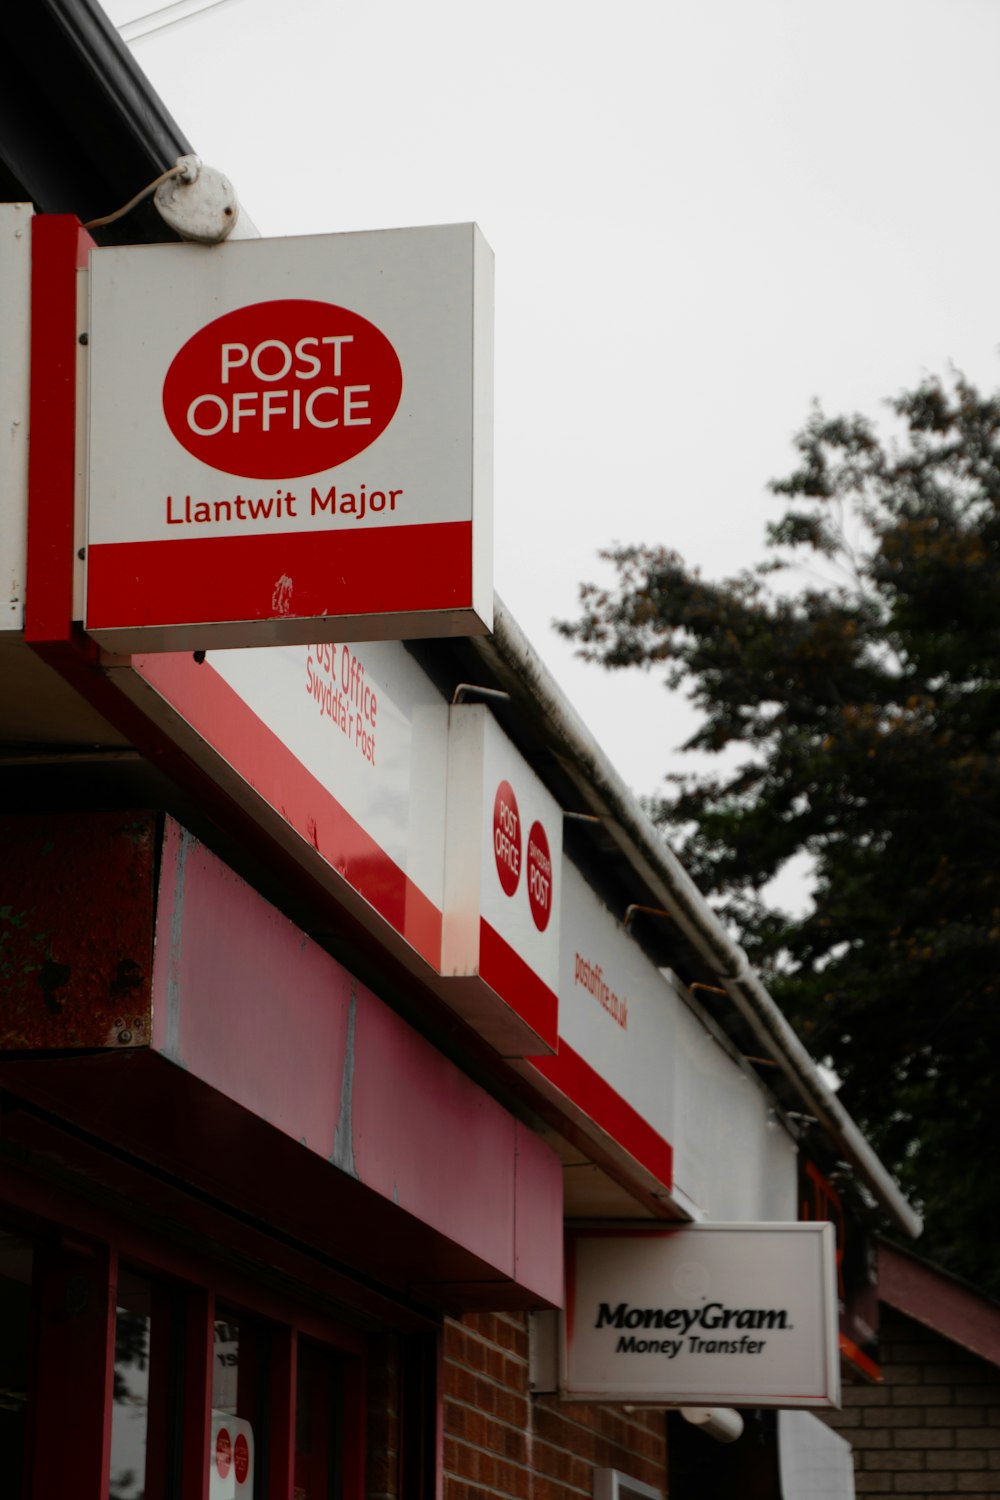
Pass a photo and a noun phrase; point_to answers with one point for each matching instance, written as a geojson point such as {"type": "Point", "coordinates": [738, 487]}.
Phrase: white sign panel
{"type": "Point", "coordinates": [814, 1462]}
{"type": "Point", "coordinates": [702, 1315]}
{"type": "Point", "coordinates": [290, 440]}
{"type": "Point", "coordinates": [231, 1458]}
{"type": "Point", "coordinates": [618, 1015]}
{"type": "Point", "coordinates": [363, 722]}
{"type": "Point", "coordinates": [503, 874]}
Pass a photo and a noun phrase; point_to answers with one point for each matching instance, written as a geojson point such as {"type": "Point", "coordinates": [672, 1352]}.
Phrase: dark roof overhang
{"type": "Point", "coordinates": [81, 130]}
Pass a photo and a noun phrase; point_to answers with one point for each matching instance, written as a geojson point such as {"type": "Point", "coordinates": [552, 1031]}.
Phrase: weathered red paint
{"type": "Point", "coordinates": [76, 951]}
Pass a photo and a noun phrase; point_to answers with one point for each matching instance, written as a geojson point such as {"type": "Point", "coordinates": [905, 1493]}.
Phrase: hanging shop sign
{"type": "Point", "coordinates": [290, 440]}
{"type": "Point", "coordinates": [502, 892]}
{"type": "Point", "coordinates": [705, 1314]}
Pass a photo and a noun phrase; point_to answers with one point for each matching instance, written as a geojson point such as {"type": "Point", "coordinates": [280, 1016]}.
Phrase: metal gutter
{"type": "Point", "coordinates": [81, 129]}
{"type": "Point", "coordinates": [513, 659]}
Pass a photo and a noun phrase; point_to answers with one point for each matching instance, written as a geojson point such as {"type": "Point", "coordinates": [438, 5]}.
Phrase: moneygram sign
{"type": "Point", "coordinates": [290, 441]}
{"type": "Point", "coordinates": [702, 1315]}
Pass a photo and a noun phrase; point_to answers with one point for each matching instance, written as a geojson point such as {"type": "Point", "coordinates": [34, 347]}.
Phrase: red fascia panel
{"type": "Point", "coordinates": [585, 1089]}
{"type": "Point", "coordinates": [59, 248]}
{"type": "Point", "coordinates": [503, 969]}
{"type": "Point", "coordinates": [242, 999]}
{"type": "Point", "coordinates": [427, 1137]}
{"type": "Point", "coordinates": [245, 1002]}
{"type": "Point", "coordinates": [538, 1217]}
{"type": "Point", "coordinates": [931, 1297]}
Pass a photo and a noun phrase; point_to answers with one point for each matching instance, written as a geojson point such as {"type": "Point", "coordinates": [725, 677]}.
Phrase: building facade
{"type": "Point", "coordinates": [335, 980]}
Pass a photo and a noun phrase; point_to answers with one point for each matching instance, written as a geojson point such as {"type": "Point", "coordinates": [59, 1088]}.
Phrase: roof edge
{"type": "Point", "coordinates": [939, 1301]}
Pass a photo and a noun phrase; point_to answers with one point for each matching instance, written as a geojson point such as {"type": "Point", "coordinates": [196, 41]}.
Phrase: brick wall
{"type": "Point", "coordinates": [932, 1427]}
{"type": "Point", "coordinates": [499, 1442]}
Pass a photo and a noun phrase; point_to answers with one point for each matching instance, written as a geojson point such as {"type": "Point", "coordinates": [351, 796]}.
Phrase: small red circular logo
{"type": "Point", "coordinates": [241, 1458]}
{"type": "Point", "coordinates": [539, 876]}
{"type": "Point", "coordinates": [281, 389]}
{"type": "Point", "coordinates": [223, 1451]}
{"type": "Point", "coordinates": [507, 837]}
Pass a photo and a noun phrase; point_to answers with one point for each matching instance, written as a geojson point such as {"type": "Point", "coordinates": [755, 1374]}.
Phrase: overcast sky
{"type": "Point", "coordinates": [704, 215]}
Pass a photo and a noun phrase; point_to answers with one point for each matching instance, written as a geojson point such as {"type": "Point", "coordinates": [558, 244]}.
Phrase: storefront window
{"type": "Point", "coordinates": [15, 1334]}
{"type": "Point", "coordinates": [130, 1409]}
{"type": "Point", "coordinates": [269, 1421]}
{"type": "Point", "coordinates": [238, 1371]}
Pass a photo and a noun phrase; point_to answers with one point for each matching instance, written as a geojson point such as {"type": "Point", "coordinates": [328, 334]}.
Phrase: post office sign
{"type": "Point", "coordinates": [290, 440]}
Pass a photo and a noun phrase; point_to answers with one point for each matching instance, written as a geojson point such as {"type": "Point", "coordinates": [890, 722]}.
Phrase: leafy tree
{"type": "Point", "coordinates": [860, 716]}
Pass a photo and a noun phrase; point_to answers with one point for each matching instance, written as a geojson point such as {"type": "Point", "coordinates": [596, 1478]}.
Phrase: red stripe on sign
{"type": "Point", "coordinates": [506, 972]}
{"type": "Point", "coordinates": [230, 727]}
{"type": "Point", "coordinates": [590, 1093]}
{"type": "Point", "coordinates": [282, 575]}
{"type": "Point", "coordinates": [59, 247]}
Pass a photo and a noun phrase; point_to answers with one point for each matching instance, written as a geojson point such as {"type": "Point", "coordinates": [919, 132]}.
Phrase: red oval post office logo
{"type": "Point", "coordinates": [281, 389]}
{"type": "Point", "coordinates": [223, 1452]}
{"type": "Point", "coordinates": [539, 876]}
{"type": "Point", "coordinates": [241, 1458]}
{"type": "Point", "coordinates": [507, 837]}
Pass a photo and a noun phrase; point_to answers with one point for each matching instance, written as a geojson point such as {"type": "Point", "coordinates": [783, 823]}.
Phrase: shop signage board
{"type": "Point", "coordinates": [346, 730]}
{"type": "Point", "coordinates": [617, 1034]}
{"type": "Point", "coordinates": [503, 886]}
{"type": "Point", "coordinates": [290, 440]}
{"type": "Point", "coordinates": [238, 717]}
{"type": "Point", "coordinates": [351, 757]}
{"type": "Point", "coordinates": [704, 1314]}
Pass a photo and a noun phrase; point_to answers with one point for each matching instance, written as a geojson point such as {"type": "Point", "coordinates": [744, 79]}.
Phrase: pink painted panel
{"type": "Point", "coordinates": [426, 1136]}
{"type": "Point", "coordinates": [247, 1003]}
{"type": "Point", "coordinates": [244, 1000]}
{"type": "Point", "coordinates": [538, 1218]}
